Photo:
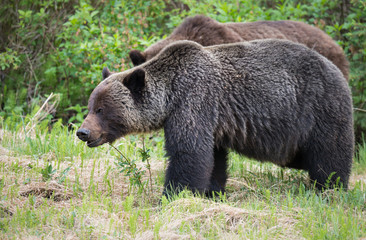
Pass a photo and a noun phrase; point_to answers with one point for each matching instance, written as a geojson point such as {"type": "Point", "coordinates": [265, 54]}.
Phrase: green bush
{"type": "Point", "coordinates": [97, 37]}
{"type": "Point", "coordinates": [48, 53]}
{"type": "Point", "coordinates": [27, 40]}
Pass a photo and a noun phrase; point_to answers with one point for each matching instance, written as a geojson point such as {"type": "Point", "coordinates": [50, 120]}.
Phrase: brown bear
{"type": "Point", "coordinates": [271, 100]}
{"type": "Point", "coordinates": [207, 32]}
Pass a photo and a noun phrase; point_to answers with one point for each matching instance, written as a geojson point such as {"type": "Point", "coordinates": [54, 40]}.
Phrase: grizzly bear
{"type": "Point", "coordinates": [271, 100]}
{"type": "Point", "coordinates": [207, 32]}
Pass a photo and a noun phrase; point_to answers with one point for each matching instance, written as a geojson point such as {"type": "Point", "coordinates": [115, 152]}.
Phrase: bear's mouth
{"type": "Point", "coordinates": [95, 143]}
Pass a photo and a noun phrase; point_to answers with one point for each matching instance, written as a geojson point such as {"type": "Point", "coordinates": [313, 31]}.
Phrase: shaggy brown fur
{"type": "Point", "coordinates": [207, 32]}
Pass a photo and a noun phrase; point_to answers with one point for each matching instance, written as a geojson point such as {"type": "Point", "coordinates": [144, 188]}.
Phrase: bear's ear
{"type": "Point", "coordinates": [135, 81]}
{"type": "Point", "coordinates": [137, 57]}
{"type": "Point", "coordinates": [106, 73]}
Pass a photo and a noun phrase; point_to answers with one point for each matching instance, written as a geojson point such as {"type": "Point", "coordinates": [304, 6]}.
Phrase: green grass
{"type": "Point", "coordinates": [53, 189]}
{"type": "Point", "coordinates": [360, 158]}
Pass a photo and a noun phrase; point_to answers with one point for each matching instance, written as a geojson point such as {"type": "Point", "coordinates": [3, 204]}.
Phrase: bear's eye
{"type": "Point", "coordinates": [99, 111]}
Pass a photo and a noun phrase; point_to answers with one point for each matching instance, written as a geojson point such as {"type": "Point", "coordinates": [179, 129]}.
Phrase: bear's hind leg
{"type": "Point", "coordinates": [327, 162]}
{"type": "Point", "coordinates": [219, 174]}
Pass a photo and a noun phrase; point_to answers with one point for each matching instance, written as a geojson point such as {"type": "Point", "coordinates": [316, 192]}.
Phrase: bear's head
{"type": "Point", "coordinates": [139, 100]}
{"type": "Point", "coordinates": [117, 108]}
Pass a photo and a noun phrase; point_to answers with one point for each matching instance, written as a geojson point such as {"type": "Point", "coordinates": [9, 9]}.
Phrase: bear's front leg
{"type": "Point", "coordinates": [190, 148]}
{"type": "Point", "coordinates": [190, 170]}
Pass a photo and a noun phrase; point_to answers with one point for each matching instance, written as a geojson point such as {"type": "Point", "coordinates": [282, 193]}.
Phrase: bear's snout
{"type": "Point", "coordinates": [83, 134]}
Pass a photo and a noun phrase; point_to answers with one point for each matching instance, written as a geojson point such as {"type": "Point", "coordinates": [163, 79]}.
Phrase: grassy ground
{"type": "Point", "coordinates": [53, 187]}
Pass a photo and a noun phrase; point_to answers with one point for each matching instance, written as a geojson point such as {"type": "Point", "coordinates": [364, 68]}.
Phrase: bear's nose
{"type": "Point", "coordinates": [83, 134]}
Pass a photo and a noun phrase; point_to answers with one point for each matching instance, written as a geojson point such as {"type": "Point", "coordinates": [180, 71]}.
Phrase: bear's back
{"type": "Point", "coordinates": [273, 91]}
{"type": "Point", "coordinates": [282, 59]}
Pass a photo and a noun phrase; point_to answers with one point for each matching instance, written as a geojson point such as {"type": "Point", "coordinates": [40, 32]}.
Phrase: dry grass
{"type": "Point", "coordinates": [226, 220]}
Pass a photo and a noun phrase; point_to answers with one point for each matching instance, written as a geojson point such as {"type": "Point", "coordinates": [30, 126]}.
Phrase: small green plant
{"type": "Point", "coordinates": [145, 156]}
{"type": "Point", "coordinates": [130, 169]}
{"type": "Point", "coordinates": [47, 172]}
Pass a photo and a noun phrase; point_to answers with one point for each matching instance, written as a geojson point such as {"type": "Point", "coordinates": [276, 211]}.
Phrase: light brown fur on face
{"type": "Point", "coordinates": [97, 130]}
{"type": "Point", "coordinates": [119, 105]}
{"type": "Point", "coordinates": [96, 138]}
{"type": "Point", "coordinates": [207, 32]}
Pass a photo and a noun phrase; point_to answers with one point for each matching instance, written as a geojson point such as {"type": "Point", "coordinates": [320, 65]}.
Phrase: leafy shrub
{"type": "Point", "coordinates": [94, 38]}
{"type": "Point", "coordinates": [57, 48]}
{"type": "Point", "coordinates": [28, 31]}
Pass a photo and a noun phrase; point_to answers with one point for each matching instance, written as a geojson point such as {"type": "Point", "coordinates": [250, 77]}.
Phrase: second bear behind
{"type": "Point", "coordinates": [208, 32]}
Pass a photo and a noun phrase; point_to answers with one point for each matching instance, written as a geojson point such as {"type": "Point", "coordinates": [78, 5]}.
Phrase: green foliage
{"type": "Point", "coordinates": [78, 118]}
{"type": "Point", "coordinates": [62, 46]}
{"type": "Point", "coordinates": [355, 46]}
{"type": "Point", "coordinates": [132, 171]}
{"type": "Point", "coordinates": [9, 59]}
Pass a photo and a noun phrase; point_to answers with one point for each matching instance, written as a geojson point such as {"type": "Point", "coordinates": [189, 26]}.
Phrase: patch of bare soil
{"type": "Point", "coordinates": [51, 190]}
{"type": "Point", "coordinates": [358, 178]}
